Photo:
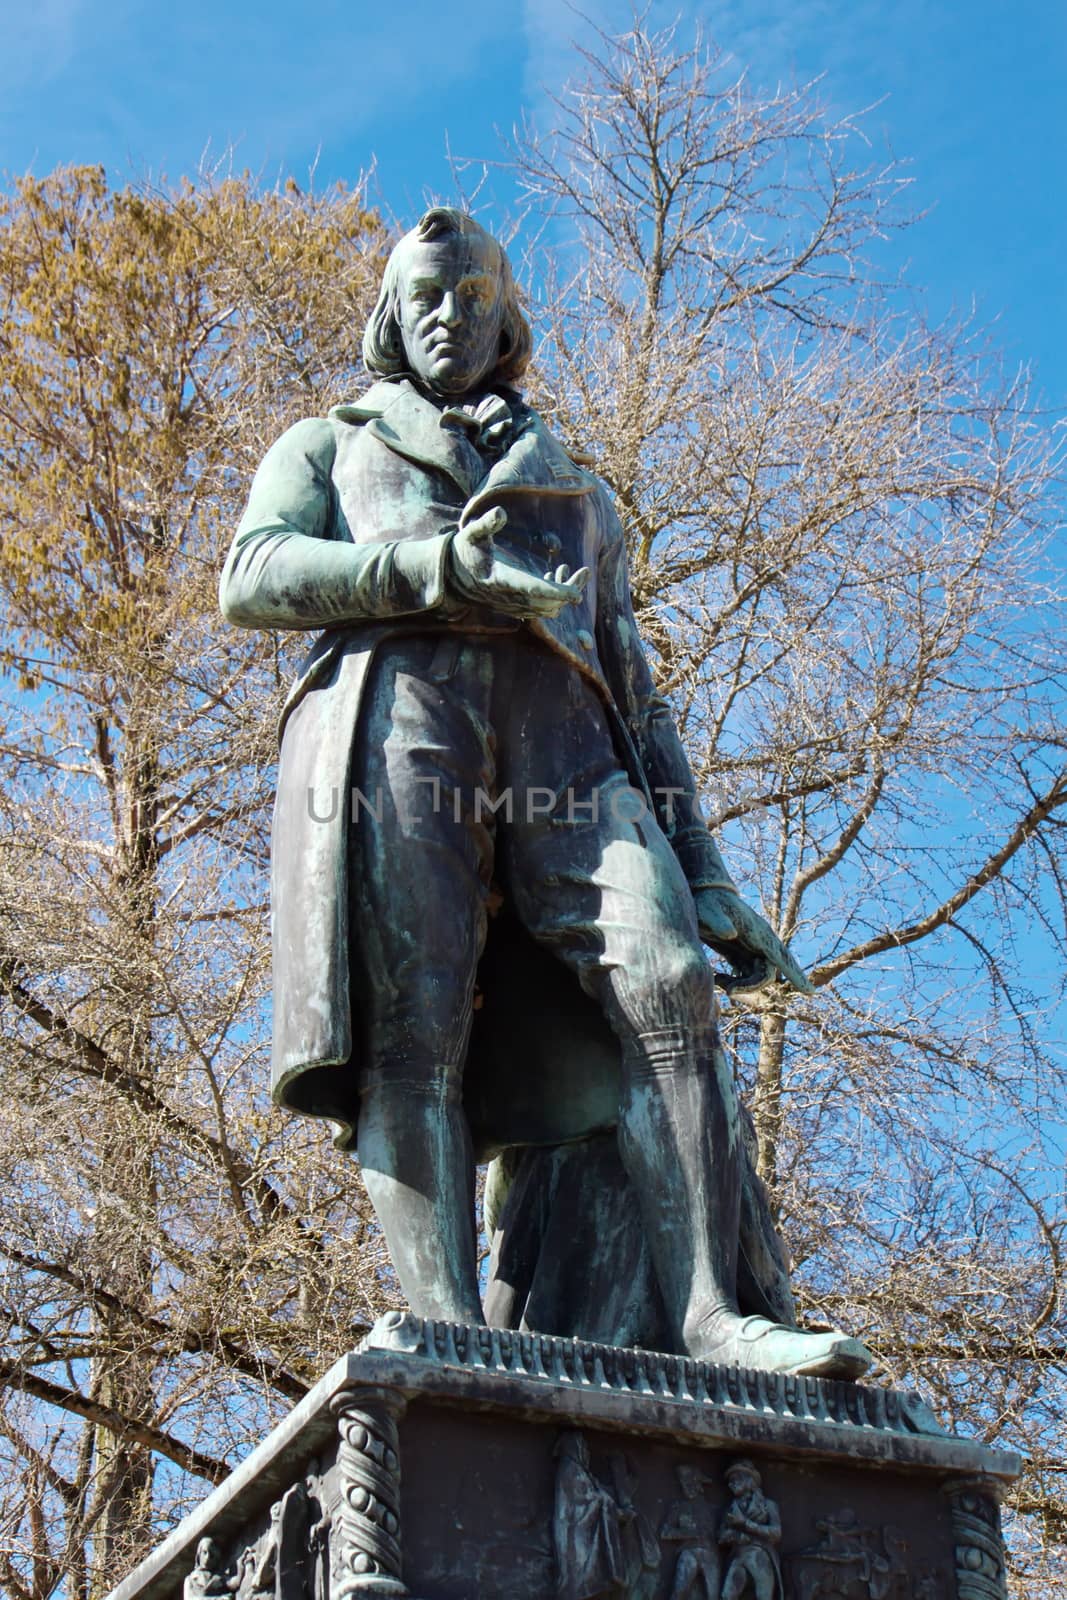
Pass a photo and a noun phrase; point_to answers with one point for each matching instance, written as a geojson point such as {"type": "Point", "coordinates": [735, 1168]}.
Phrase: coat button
{"type": "Point", "coordinates": [585, 639]}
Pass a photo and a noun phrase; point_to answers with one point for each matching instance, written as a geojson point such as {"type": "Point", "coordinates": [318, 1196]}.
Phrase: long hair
{"type": "Point", "coordinates": [383, 347]}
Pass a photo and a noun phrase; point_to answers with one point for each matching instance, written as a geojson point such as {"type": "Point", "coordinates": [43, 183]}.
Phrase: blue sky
{"type": "Point", "coordinates": [973, 96]}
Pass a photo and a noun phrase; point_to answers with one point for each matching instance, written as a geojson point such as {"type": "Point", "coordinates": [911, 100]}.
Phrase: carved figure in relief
{"type": "Point", "coordinates": [286, 1562]}
{"type": "Point", "coordinates": [209, 1578]}
{"type": "Point", "coordinates": [640, 1547]}
{"type": "Point", "coordinates": [850, 1562]}
{"type": "Point", "coordinates": [586, 1527]}
{"type": "Point", "coordinates": [750, 1534]}
{"type": "Point", "coordinates": [476, 729]}
{"type": "Point", "coordinates": [292, 1562]}
{"type": "Point", "coordinates": [258, 1563]}
{"type": "Point", "coordinates": [690, 1523]}
{"type": "Point", "coordinates": [319, 1547]}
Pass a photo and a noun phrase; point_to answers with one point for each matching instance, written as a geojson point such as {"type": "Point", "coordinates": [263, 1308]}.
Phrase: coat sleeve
{"type": "Point", "coordinates": [288, 569]}
{"type": "Point", "coordinates": [648, 717]}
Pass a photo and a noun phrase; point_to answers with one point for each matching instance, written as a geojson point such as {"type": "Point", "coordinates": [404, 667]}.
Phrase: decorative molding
{"type": "Point", "coordinates": [366, 1521]}
{"type": "Point", "coordinates": [980, 1571]}
{"type": "Point", "coordinates": [647, 1373]}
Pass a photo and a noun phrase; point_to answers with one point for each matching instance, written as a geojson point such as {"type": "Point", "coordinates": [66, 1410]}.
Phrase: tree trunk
{"type": "Point", "coordinates": [123, 1371]}
{"type": "Point", "coordinates": [767, 1111]}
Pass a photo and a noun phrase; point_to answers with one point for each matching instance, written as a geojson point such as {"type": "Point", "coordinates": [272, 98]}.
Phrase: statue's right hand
{"type": "Point", "coordinates": [482, 576]}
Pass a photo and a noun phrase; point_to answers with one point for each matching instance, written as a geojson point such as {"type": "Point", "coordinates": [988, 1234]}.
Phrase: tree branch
{"type": "Point", "coordinates": [102, 1416]}
{"type": "Point", "coordinates": [897, 938]}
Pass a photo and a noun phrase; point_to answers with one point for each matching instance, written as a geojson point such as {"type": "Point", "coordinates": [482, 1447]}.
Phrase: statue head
{"type": "Point", "coordinates": [572, 1446]}
{"type": "Point", "coordinates": [448, 311]}
{"type": "Point", "coordinates": [741, 1477]}
{"type": "Point", "coordinates": [207, 1554]}
{"type": "Point", "coordinates": [692, 1481]}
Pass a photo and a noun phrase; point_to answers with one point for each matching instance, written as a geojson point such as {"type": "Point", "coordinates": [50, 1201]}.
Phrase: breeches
{"type": "Point", "coordinates": [484, 765]}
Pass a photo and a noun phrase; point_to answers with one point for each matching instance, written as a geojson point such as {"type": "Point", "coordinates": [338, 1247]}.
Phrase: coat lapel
{"type": "Point", "coordinates": [535, 463]}
{"type": "Point", "coordinates": [411, 425]}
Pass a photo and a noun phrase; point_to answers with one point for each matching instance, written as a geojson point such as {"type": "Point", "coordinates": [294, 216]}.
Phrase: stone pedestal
{"type": "Point", "coordinates": [450, 1463]}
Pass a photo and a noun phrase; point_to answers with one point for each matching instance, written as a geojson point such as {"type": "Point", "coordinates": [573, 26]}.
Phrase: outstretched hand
{"type": "Point", "coordinates": [481, 575]}
{"type": "Point", "coordinates": [754, 951]}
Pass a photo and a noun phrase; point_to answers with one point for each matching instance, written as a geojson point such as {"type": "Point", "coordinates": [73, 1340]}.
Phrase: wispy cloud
{"type": "Point", "coordinates": [771, 41]}
{"type": "Point", "coordinates": [552, 29]}
{"type": "Point", "coordinates": [39, 41]}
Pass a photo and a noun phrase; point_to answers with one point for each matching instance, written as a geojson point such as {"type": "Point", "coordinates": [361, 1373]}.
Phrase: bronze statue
{"type": "Point", "coordinates": [491, 877]}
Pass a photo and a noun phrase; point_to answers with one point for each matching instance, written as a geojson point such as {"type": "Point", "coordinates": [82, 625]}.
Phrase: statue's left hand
{"type": "Point", "coordinates": [750, 945]}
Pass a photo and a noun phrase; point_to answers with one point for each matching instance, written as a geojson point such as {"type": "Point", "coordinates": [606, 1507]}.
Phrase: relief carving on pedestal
{"type": "Point", "coordinates": [258, 1565]}
{"type": "Point", "coordinates": [209, 1578]}
{"type": "Point", "coordinates": [690, 1528]}
{"type": "Point", "coordinates": [749, 1535]}
{"type": "Point", "coordinates": [287, 1562]}
{"type": "Point", "coordinates": [853, 1562]}
{"type": "Point", "coordinates": [603, 1545]}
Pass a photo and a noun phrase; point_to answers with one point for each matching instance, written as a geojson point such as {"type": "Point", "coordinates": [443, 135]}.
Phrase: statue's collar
{"type": "Point", "coordinates": [459, 437]}
{"type": "Point", "coordinates": [440, 434]}
{"type": "Point", "coordinates": [387, 392]}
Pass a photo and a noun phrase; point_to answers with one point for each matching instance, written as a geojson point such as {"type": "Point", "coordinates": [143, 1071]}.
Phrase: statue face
{"type": "Point", "coordinates": [450, 312]}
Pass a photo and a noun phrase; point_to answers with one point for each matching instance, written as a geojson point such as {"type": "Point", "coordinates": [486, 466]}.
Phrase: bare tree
{"type": "Point", "coordinates": [840, 524]}
{"type": "Point", "coordinates": [839, 534]}
{"type": "Point", "coordinates": [177, 1263]}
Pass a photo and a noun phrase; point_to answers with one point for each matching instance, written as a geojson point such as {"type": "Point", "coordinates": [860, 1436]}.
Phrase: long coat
{"type": "Point", "coordinates": [347, 530]}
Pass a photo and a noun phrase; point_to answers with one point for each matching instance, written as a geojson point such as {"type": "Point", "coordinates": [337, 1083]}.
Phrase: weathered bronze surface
{"type": "Point", "coordinates": [491, 876]}
{"type": "Point", "coordinates": [448, 1463]}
